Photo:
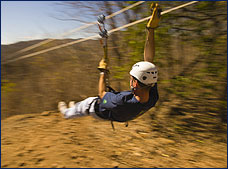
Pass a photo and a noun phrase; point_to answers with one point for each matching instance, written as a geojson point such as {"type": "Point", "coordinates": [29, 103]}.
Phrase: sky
{"type": "Point", "coordinates": [29, 20]}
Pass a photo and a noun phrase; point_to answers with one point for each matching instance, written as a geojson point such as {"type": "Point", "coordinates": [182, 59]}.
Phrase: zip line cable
{"type": "Point", "coordinates": [144, 19]}
{"type": "Point", "coordinates": [76, 29]}
{"type": "Point", "coordinates": [95, 36]}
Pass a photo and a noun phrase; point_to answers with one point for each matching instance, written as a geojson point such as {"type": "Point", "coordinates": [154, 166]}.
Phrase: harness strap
{"type": "Point", "coordinates": [110, 89]}
{"type": "Point", "coordinates": [111, 121]}
{"type": "Point", "coordinates": [112, 125]}
{"type": "Point", "coordinates": [91, 104]}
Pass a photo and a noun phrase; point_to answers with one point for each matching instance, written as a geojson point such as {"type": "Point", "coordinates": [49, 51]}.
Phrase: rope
{"type": "Point", "coordinates": [96, 36]}
{"type": "Point", "coordinates": [124, 9]}
{"type": "Point", "coordinates": [147, 18]}
{"type": "Point", "coordinates": [50, 49]}
{"type": "Point", "coordinates": [76, 29]}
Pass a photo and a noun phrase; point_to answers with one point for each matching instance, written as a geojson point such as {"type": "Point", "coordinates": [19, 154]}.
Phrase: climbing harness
{"type": "Point", "coordinates": [103, 65]}
{"type": "Point", "coordinates": [104, 36]}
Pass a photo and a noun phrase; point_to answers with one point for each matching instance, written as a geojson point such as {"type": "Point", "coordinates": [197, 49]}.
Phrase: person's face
{"type": "Point", "coordinates": [132, 82]}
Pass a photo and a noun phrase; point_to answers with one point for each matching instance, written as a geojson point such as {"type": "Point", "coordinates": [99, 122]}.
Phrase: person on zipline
{"type": "Point", "coordinates": [126, 105]}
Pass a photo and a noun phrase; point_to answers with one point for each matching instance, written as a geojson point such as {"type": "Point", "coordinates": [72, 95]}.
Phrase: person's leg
{"type": "Point", "coordinates": [80, 109]}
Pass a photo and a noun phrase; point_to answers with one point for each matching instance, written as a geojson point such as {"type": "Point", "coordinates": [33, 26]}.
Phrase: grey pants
{"type": "Point", "coordinates": [82, 108]}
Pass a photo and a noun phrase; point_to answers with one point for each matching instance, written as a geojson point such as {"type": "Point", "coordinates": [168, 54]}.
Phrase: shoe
{"type": "Point", "coordinates": [155, 17]}
{"type": "Point", "coordinates": [62, 107]}
{"type": "Point", "coordinates": [71, 104]}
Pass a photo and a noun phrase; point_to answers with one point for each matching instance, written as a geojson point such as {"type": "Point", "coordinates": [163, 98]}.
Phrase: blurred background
{"type": "Point", "coordinates": [191, 55]}
{"type": "Point", "coordinates": [186, 128]}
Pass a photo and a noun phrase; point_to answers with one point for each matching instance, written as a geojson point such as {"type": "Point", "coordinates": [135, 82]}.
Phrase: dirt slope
{"type": "Point", "coordinates": [48, 140]}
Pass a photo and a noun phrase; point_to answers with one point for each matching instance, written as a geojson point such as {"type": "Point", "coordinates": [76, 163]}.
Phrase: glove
{"type": "Point", "coordinates": [155, 17]}
{"type": "Point", "coordinates": [103, 66]}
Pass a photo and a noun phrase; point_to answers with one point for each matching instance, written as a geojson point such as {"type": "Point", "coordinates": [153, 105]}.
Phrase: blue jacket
{"type": "Point", "coordinates": [123, 106]}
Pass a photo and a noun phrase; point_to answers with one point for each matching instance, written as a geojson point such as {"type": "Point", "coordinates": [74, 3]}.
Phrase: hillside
{"type": "Point", "coordinates": [47, 140]}
{"type": "Point", "coordinates": [30, 81]}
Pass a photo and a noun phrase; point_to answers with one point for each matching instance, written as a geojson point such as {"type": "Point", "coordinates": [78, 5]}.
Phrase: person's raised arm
{"type": "Point", "coordinates": [102, 84]}
{"type": "Point", "coordinates": [149, 50]}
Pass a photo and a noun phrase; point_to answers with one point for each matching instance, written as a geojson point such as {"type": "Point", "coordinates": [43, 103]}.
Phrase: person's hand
{"type": "Point", "coordinates": [103, 66]}
{"type": "Point", "coordinates": [155, 17]}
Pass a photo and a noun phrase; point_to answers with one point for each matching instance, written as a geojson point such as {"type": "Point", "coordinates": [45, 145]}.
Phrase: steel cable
{"type": "Point", "coordinates": [96, 36]}
{"type": "Point", "coordinates": [76, 29]}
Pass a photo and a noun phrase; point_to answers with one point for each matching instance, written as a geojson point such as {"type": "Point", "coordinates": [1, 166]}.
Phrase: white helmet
{"type": "Point", "coordinates": [145, 72]}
